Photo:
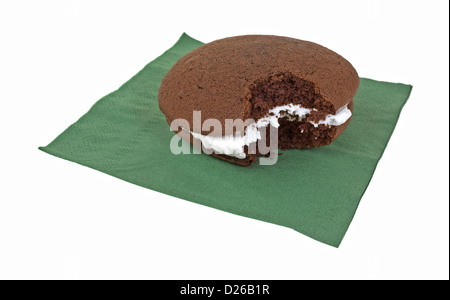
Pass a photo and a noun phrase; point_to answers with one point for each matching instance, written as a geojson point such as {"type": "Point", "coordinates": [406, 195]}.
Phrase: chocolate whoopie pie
{"type": "Point", "coordinates": [301, 88]}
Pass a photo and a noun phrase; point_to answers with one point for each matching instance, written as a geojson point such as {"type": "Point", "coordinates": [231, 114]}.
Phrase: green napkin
{"type": "Point", "coordinates": [315, 191]}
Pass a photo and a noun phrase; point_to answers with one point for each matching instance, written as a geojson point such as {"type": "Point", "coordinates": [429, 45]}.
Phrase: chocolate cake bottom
{"type": "Point", "coordinates": [292, 135]}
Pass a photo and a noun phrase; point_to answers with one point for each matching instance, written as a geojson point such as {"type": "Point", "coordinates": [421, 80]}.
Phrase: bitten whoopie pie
{"type": "Point", "coordinates": [302, 89]}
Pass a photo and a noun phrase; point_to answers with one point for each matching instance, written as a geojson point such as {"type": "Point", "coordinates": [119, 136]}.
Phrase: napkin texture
{"type": "Point", "coordinates": [315, 192]}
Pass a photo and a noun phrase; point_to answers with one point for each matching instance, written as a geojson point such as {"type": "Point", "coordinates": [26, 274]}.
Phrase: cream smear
{"type": "Point", "coordinates": [234, 145]}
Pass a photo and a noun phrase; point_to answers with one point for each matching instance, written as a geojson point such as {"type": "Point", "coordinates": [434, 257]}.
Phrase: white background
{"type": "Point", "coordinates": [59, 220]}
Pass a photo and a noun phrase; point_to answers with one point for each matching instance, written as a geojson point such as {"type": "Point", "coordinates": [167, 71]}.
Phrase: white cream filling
{"type": "Point", "coordinates": [234, 145]}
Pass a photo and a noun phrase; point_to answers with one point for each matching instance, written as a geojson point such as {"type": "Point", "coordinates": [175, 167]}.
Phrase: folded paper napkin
{"type": "Point", "coordinates": [315, 191]}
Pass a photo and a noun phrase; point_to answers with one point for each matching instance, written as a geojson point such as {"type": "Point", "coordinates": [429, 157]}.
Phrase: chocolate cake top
{"type": "Point", "coordinates": [220, 78]}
